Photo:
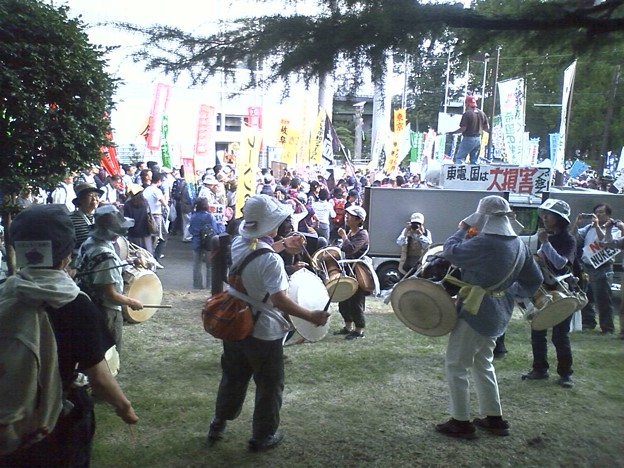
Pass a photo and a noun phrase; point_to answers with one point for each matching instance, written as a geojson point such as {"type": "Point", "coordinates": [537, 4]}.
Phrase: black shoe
{"type": "Point", "coordinates": [606, 332]}
{"type": "Point", "coordinates": [494, 426]}
{"type": "Point", "coordinates": [266, 443]}
{"type": "Point", "coordinates": [565, 381]}
{"type": "Point", "coordinates": [343, 331]}
{"type": "Point", "coordinates": [458, 429]}
{"type": "Point", "coordinates": [535, 375]}
{"type": "Point", "coordinates": [354, 335]}
{"type": "Point", "coordinates": [216, 429]}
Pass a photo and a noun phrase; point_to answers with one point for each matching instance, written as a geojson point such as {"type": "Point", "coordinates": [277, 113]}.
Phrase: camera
{"type": "Point", "coordinates": [587, 215]}
{"type": "Point", "coordinates": [415, 225]}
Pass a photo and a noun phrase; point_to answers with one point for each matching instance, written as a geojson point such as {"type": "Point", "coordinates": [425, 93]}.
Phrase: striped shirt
{"type": "Point", "coordinates": [82, 226]}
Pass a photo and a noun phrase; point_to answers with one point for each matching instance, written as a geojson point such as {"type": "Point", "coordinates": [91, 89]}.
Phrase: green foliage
{"type": "Point", "coordinates": [55, 96]}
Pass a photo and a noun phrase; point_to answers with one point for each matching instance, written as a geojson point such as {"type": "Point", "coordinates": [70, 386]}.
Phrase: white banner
{"type": "Point", "coordinates": [527, 180]}
{"type": "Point", "coordinates": [568, 83]}
{"type": "Point", "coordinates": [513, 104]}
{"type": "Point", "coordinates": [599, 256]}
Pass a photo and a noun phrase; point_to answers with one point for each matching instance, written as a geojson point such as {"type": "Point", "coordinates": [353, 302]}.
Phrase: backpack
{"type": "Point", "coordinates": [30, 382]}
{"type": "Point", "coordinates": [206, 233]}
{"type": "Point", "coordinates": [177, 188]}
{"type": "Point", "coordinates": [84, 276]}
{"type": "Point", "coordinates": [227, 317]}
{"type": "Point", "coordinates": [339, 209]}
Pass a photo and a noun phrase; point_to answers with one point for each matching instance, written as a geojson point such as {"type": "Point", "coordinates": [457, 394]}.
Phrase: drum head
{"type": "Point", "coordinates": [431, 251]}
{"type": "Point", "coordinates": [307, 290]}
{"type": "Point", "coordinates": [424, 306]}
{"type": "Point", "coordinates": [112, 359]}
{"type": "Point", "coordinates": [144, 286]}
{"type": "Point", "coordinates": [366, 277]}
{"type": "Point", "coordinates": [341, 288]}
{"type": "Point", "coordinates": [554, 313]}
{"type": "Point", "coordinates": [122, 247]}
{"type": "Point", "coordinates": [331, 252]}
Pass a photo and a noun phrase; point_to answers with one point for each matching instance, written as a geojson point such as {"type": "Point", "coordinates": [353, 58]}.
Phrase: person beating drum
{"type": "Point", "coordinates": [557, 251]}
{"type": "Point", "coordinates": [355, 243]}
{"type": "Point", "coordinates": [100, 269]}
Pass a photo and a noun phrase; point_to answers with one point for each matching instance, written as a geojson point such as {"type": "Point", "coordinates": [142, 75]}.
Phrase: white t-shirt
{"type": "Point", "coordinates": [153, 195]}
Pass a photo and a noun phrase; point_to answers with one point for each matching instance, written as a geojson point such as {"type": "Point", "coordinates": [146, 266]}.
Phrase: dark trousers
{"type": "Point", "coordinates": [561, 341]}
{"type": "Point", "coordinates": [69, 445]}
{"type": "Point", "coordinates": [262, 360]}
{"type": "Point", "coordinates": [600, 297]}
{"type": "Point", "coordinates": [352, 310]}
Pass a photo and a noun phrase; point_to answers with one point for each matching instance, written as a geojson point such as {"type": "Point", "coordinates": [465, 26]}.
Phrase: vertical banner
{"type": "Point", "coordinates": [440, 144]}
{"type": "Point", "coordinates": [289, 155]}
{"type": "Point", "coordinates": [316, 140]}
{"type": "Point", "coordinates": [246, 166]}
{"type": "Point", "coordinates": [533, 152]}
{"type": "Point", "coordinates": [331, 143]}
{"type": "Point", "coordinates": [164, 144]}
{"type": "Point", "coordinates": [206, 129]}
{"type": "Point", "coordinates": [568, 84]}
{"type": "Point", "coordinates": [429, 143]}
{"type": "Point", "coordinates": [109, 158]}
{"type": "Point", "coordinates": [254, 117]}
{"type": "Point", "coordinates": [392, 150]}
{"type": "Point", "coordinates": [189, 170]}
{"type": "Point", "coordinates": [498, 139]}
{"type": "Point", "coordinates": [417, 142]}
{"type": "Point", "coordinates": [399, 120]}
{"type": "Point", "coordinates": [512, 104]}
{"type": "Point", "coordinates": [159, 107]}
{"type": "Point", "coordinates": [554, 144]}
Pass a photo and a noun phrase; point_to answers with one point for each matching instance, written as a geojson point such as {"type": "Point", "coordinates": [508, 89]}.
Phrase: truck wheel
{"type": "Point", "coordinates": [388, 275]}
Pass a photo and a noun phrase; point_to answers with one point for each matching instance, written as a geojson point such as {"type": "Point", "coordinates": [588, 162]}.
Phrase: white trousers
{"type": "Point", "coordinates": [468, 351]}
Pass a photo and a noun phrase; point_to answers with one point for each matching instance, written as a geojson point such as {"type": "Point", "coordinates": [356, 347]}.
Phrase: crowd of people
{"type": "Point", "coordinates": [293, 216]}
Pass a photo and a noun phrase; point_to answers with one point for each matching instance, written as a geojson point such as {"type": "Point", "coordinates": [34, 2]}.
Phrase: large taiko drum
{"type": "Point", "coordinates": [327, 264]}
{"type": "Point", "coordinates": [307, 290]}
{"type": "Point", "coordinates": [144, 286]}
{"type": "Point", "coordinates": [364, 272]}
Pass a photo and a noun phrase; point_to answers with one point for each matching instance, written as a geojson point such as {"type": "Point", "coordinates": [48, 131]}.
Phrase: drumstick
{"type": "Point", "coordinates": [332, 294]}
{"type": "Point", "coordinates": [104, 269]}
{"type": "Point", "coordinates": [156, 306]}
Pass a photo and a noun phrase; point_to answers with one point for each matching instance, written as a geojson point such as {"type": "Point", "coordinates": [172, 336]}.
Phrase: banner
{"type": "Point", "coordinates": [392, 150]}
{"type": "Point", "coordinates": [316, 139]}
{"type": "Point", "coordinates": [109, 158]}
{"type": "Point", "coordinates": [206, 129]}
{"type": "Point", "coordinates": [554, 143]}
{"type": "Point", "coordinates": [331, 143]}
{"type": "Point", "coordinates": [440, 144]}
{"type": "Point", "coordinates": [189, 170]}
{"type": "Point", "coordinates": [246, 166]}
{"type": "Point", "coordinates": [498, 140]}
{"type": "Point", "coordinates": [417, 143]}
{"type": "Point", "coordinates": [254, 117]}
{"type": "Point", "coordinates": [399, 120]}
{"type": "Point", "coordinates": [159, 107]}
{"type": "Point", "coordinates": [532, 152]}
{"type": "Point", "coordinates": [597, 255]}
{"type": "Point", "coordinates": [164, 144]}
{"type": "Point", "coordinates": [528, 180]}
{"type": "Point", "coordinates": [512, 104]}
{"type": "Point", "coordinates": [568, 84]}
{"type": "Point", "coordinates": [289, 155]}
{"type": "Point", "coordinates": [578, 167]}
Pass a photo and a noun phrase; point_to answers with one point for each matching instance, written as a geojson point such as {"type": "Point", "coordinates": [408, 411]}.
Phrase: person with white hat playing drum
{"type": "Point", "coordinates": [557, 251]}
{"type": "Point", "coordinates": [496, 268]}
{"type": "Point", "coordinates": [260, 355]}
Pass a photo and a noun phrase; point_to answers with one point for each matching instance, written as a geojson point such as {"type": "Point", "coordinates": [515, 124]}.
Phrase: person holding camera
{"type": "Point", "coordinates": [600, 274]}
{"type": "Point", "coordinates": [414, 240]}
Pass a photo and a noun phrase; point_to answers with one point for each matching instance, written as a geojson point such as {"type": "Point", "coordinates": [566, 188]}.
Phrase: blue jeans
{"type": "Point", "coordinates": [201, 259]}
{"type": "Point", "coordinates": [468, 145]}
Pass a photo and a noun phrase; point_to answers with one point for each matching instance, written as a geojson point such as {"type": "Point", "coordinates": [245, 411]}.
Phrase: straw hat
{"type": "Point", "coordinates": [494, 216]}
{"type": "Point", "coordinates": [424, 306]}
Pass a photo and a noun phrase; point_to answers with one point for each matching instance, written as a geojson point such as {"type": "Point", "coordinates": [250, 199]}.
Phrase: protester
{"type": "Point", "coordinates": [354, 244]}
{"type": "Point", "coordinates": [600, 277]}
{"type": "Point", "coordinates": [609, 241]}
{"type": "Point", "coordinates": [414, 240]}
{"type": "Point", "coordinates": [81, 337]}
{"type": "Point", "coordinates": [496, 267]}
{"type": "Point", "coordinates": [64, 193]}
{"type": "Point", "coordinates": [473, 123]}
{"type": "Point", "coordinates": [260, 355]}
{"type": "Point", "coordinates": [136, 208]}
{"type": "Point", "coordinates": [324, 211]}
{"type": "Point", "coordinates": [100, 269]}
{"type": "Point", "coordinates": [201, 255]}
{"type": "Point", "coordinates": [158, 206]}
{"type": "Point", "coordinates": [86, 201]}
{"type": "Point", "coordinates": [557, 253]}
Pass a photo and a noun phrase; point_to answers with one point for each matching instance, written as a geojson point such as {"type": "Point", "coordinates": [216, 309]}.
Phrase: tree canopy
{"type": "Point", "coordinates": [55, 97]}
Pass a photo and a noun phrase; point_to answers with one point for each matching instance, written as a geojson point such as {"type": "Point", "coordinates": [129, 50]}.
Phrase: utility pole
{"type": "Point", "coordinates": [494, 86]}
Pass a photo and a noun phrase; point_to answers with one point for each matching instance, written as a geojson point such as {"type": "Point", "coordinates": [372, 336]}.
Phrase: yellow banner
{"type": "Point", "coordinates": [316, 142]}
{"type": "Point", "coordinates": [392, 156]}
{"type": "Point", "coordinates": [290, 148]}
{"type": "Point", "coordinates": [246, 165]}
{"type": "Point", "coordinates": [399, 120]}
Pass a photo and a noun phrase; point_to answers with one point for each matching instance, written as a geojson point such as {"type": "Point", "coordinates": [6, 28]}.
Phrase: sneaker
{"type": "Point", "coordinates": [458, 429]}
{"type": "Point", "coordinates": [535, 375]}
{"type": "Point", "coordinates": [354, 335]}
{"type": "Point", "coordinates": [159, 266]}
{"type": "Point", "coordinates": [266, 443]}
{"type": "Point", "coordinates": [216, 429]}
{"type": "Point", "coordinates": [343, 331]}
{"type": "Point", "coordinates": [565, 381]}
{"type": "Point", "coordinates": [494, 426]}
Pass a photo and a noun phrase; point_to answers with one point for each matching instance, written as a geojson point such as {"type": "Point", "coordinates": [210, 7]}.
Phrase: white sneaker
{"type": "Point", "coordinates": [159, 266]}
